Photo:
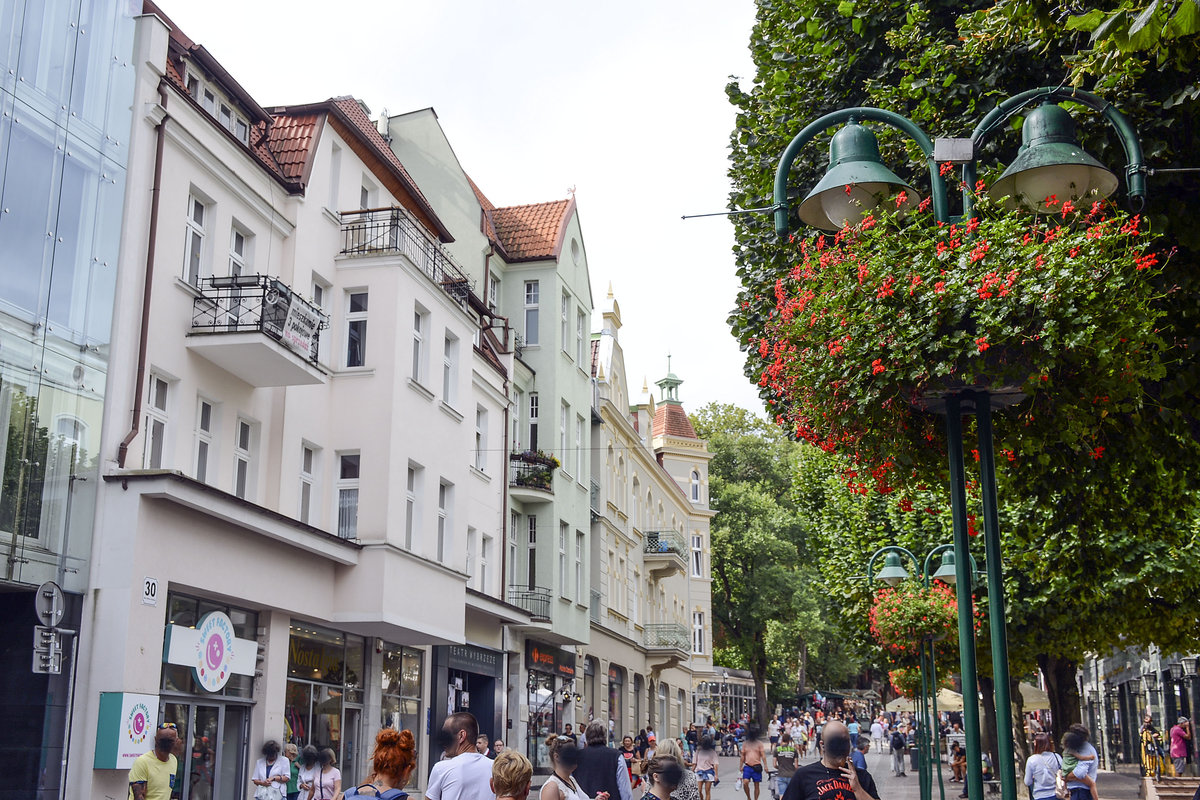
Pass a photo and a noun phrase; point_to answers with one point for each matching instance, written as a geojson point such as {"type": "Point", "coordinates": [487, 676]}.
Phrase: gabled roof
{"type": "Point", "coordinates": [291, 138]}
{"type": "Point", "coordinates": [671, 420]}
{"type": "Point", "coordinates": [535, 231]}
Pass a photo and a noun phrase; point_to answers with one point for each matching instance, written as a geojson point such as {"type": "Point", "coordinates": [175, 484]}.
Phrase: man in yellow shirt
{"type": "Point", "coordinates": [152, 776]}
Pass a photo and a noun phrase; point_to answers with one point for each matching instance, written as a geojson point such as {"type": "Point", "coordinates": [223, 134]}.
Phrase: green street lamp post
{"type": "Point", "coordinates": [893, 573]}
{"type": "Point", "coordinates": [1050, 162]}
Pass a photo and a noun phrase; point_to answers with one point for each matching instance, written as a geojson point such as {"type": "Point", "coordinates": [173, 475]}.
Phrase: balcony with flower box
{"type": "Point", "coordinates": [531, 476]}
{"type": "Point", "coordinates": [665, 553]}
{"type": "Point", "coordinates": [257, 329]}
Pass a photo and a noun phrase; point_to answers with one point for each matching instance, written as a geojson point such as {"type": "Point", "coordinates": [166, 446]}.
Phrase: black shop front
{"type": "Point", "coordinates": [469, 678]}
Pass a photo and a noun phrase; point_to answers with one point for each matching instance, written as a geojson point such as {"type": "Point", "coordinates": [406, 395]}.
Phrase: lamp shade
{"type": "Point", "coordinates": [893, 572]}
{"type": "Point", "coordinates": [1151, 680]}
{"type": "Point", "coordinates": [1051, 163]}
{"type": "Point", "coordinates": [1190, 664]}
{"type": "Point", "coordinates": [1176, 670]}
{"type": "Point", "coordinates": [855, 183]}
{"type": "Point", "coordinates": [947, 572]}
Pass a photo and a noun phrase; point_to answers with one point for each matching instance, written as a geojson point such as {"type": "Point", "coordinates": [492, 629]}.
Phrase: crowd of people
{"type": "Point", "coordinates": [586, 766]}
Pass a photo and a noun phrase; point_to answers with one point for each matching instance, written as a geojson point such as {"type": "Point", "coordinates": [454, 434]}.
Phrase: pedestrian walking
{"type": "Point", "coordinates": [663, 774]}
{"type": "Point", "coordinates": [687, 788]}
{"type": "Point", "coordinates": [564, 758]}
{"type": "Point", "coordinates": [464, 773]}
{"type": "Point", "coordinates": [271, 773]}
{"type": "Point", "coordinates": [152, 776]}
{"type": "Point", "coordinates": [785, 763]}
{"type": "Point", "coordinates": [707, 768]}
{"type": "Point", "coordinates": [392, 764]}
{"type": "Point", "coordinates": [834, 777]}
{"type": "Point", "coordinates": [877, 735]}
{"type": "Point", "coordinates": [328, 780]}
{"type": "Point", "coordinates": [1181, 735]}
{"type": "Point", "coordinates": [898, 744]}
{"type": "Point", "coordinates": [310, 766]}
{"type": "Point", "coordinates": [751, 763]}
{"type": "Point", "coordinates": [1041, 770]}
{"type": "Point", "coordinates": [602, 769]}
{"type": "Point", "coordinates": [511, 776]}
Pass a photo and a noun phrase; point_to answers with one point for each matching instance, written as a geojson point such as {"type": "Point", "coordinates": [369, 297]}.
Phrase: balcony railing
{"type": "Point", "coordinates": [532, 469]}
{"type": "Point", "coordinates": [665, 543]}
{"type": "Point", "coordinates": [594, 608]}
{"type": "Point", "coordinates": [535, 600]}
{"type": "Point", "coordinates": [247, 303]}
{"type": "Point", "coordinates": [382, 231]}
{"type": "Point", "coordinates": [665, 636]}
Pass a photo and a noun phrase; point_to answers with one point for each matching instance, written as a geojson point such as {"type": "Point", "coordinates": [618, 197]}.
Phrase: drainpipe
{"type": "Point", "coordinates": [147, 281]}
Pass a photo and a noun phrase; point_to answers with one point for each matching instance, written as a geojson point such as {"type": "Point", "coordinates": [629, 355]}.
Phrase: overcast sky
{"type": "Point", "coordinates": [623, 100]}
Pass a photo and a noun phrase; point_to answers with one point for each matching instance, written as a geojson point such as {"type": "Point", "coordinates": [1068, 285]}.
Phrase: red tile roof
{"type": "Point", "coordinates": [671, 420]}
{"type": "Point", "coordinates": [534, 231]}
{"type": "Point", "coordinates": [486, 210]}
{"type": "Point", "coordinates": [290, 139]}
{"type": "Point", "coordinates": [595, 355]}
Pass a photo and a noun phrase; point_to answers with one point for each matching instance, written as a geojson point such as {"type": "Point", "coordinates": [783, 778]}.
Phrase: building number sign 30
{"type": "Point", "coordinates": [150, 591]}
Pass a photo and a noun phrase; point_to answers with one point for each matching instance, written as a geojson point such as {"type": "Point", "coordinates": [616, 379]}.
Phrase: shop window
{"type": "Point", "coordinates": [324, 693]}
{"type": "Point", "coordinates": [401, 684]}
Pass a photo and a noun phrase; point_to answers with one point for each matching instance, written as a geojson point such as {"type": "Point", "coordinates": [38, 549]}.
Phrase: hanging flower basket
{"type": "Point", "coordinates": [906, 681]}
{"type": "Point", "coordinates": [903, 617]}
{"type": "Point", "coordinates": [873, 323]}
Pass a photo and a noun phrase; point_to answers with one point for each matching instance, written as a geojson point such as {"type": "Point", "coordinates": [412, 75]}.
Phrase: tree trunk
{"type": "Point", "coordinates": [1019, 739]}
{"type": "Point", "coordinates": [1063, 690]}
{"type": "Point", "coordinates": [802, 669]}
{"type": "Point", "coordinates": [759, 667]}
{"type": "Point", "coordinates": [987, 737]}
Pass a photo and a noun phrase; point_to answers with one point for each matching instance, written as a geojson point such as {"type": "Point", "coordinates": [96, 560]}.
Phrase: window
{"type": "Point", "coordinates": [485, 555]}
{"type": "Point", "coordinates": [226, 117]}
{"type": "Point", "coordinates": [697, 556]}
{"type": "Point", "coordinates": [156, 422]}
{"type": "Point", "coordinates": [243, 459]}
{"type": "Point", "coordinates": [193, 86]}
{"type": "Point", "coordinates": [209, 102]}
{"type": "Point", "coordinates": [204, 429]}
{"type": "Point", "coordinates": [579, 582]}
{"type": "Point", "coordinates": [695, 486]}
{"type": "Point", "coordinates": [564, 414]}
{"type": "Point", "coordinates": [412, 511]}
{"type": "Point", "coordinates": [241, 130]}
{"type": "Point", "coordinates": [531, 312]}
{"type": "Point", "coordinates": [614, 580]}
{"type": "Point", "coordinates": [698, 633]}
{"type": "Point", "coordinates": [364, 197]}
{"type": "Point", "coordinates": [518, 405]}
{"type": "Point", "coordinates": [565, 325]}
{"type": "Point", "coordinates": [533, 421]}
{"type": "Point", "coordinates": [420, 325]}
{"type": "Point", "coordinates": [531, 564]}
{"type": "Point", "coordinates": [581, 341]}
{"type": "Point", "coordinates": [356, 329]}
{"type": "Point", "coordinates": [481, 421]}
{"type": "Point", "coordinates": [347, 494]}
{"type": "Point", "coordinates": [563, 586]}
{"type": "Point", "coordinates": [472, 535]}
{"type": "Point", "coordinates": [238, 252]}
{"type": "Point", "coordinates": [493, 297]}
{"type": "Point", "coordinates": [514, 525]}
{"type": "Point", "coordinates": [193, 240]}
{"type": "Point", "coordinates": [445, 496]}
{"type": "Point", "coordinates": [579, 451]}
{"type": "Point", "coordinates": [335, 176]}
{"type": "Point", "coordinates": [449, 369]}
{"type": "Point", "coordinates": [634, 588]}
{"type": "Point", "coordinates": [308, 464]}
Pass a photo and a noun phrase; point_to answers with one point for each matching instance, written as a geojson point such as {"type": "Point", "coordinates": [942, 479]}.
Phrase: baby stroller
{"type": "Point", "coordinates": [772, 784]}
{"type": "Point", "coordinates": [728, 744]}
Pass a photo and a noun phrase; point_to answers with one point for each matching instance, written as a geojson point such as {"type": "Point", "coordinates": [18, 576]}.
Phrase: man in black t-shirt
{"type": "Point", "coordinates": [834, 777]}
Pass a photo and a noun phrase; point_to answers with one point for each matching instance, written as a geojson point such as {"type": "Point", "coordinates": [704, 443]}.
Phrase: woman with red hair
{"type": "Point", "coordinates": [392, 763]}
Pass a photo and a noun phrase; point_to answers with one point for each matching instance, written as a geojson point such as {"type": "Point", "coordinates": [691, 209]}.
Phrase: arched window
{"type": "Point", "coordinates": [695, 486]}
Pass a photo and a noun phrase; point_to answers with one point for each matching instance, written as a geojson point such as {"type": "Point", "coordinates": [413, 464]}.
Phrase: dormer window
{"type": "Point", "coordinates": [209, 102]}
{"type": "Point", "coordinates": [242, 131]}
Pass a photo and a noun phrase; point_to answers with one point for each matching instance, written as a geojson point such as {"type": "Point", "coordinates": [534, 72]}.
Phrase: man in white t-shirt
{"type": "Point", "coordinates": [464, 773]}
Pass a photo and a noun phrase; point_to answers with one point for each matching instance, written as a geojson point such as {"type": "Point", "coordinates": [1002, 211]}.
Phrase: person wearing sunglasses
{"type": "Point", "coordinates": [152, 776]}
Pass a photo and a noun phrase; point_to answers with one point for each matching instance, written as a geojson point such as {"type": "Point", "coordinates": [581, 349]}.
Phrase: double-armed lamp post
{"type": "Point", "coordinates": [1050, 163]}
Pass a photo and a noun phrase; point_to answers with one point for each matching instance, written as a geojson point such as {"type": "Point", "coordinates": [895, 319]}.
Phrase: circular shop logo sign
{"type": "Point", "coordinates": [137, 726]}
{"type": "Point", "coordinates": [214, 651]}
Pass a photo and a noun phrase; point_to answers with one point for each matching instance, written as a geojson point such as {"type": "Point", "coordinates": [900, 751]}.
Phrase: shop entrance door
{"type": "Point", "coordinates": [214, 739]}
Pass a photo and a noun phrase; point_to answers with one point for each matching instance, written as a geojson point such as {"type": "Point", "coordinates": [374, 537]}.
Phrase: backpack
{"type": "Point", "coordinates": [390, 794]}
{"type": "Point", "coordinates": [898, 741]}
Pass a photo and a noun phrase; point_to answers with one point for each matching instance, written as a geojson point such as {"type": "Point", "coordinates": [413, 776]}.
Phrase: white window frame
{"type": "Point", "coordinates": [614, 581]}
{"type": "Point", "coordinates": [420, 347]}
{"type": "Point", "coordinates": [493, 299]}
{"type": "Point", "coordinates": [565, 324]}
{"type": "Point", "coordinates": [564, 589]}
{"type": "Point", "coordinates": [309, 466]}
{"type": "Point", "coordinates": [698, 633]}
{"type": "Point", "coordinates": [157, 424]}
{"type": "Point", "coordinates": [355, 318]}
{"type": "Point", "coordinates": [695, 486]}
{"type": "Point", "coordinates": [209, 102]}
{"type": "Point", "coordinates": [414, 479]}
{"type": "Point", "coordinates": [349, 498]}
{"type": "Point", "coordinates": [445, 530]}
{"type": "Point", "coordinates": [485, 555]}
{"type": "Point", "coordinates": [514, 524]}
{"type": "Point", "coordinates": [581, 354]}
{"type": "Point", "coordinates": [472, 535]}
{"type": "Point", "coordinates": [203, 456]}
{"type": "Point", "coordinates": [533, 420]}
{"type": "Point", "coordinates": [579, 581]}
{"type": "Point", "coordinates": [244, 446]}
{"type": "Point", "coordinates": [579, 451]}
{"type": "Point", "coordinates": [532, 308]}
{"type": "Point", "coordinates": [449, 369]}
{"type": "Point", "coordinates": [564, 417]}
{"type": "Point", "coordinates": [194, 249]}
{"type": "Point", "coordinates": [531, 555]}
{"type": "Point", "coordinates": [697, 555]}
{"type": "Point", "coordinates": [239, 258]}
{"type": "Point", "coordinates": [481, 433]}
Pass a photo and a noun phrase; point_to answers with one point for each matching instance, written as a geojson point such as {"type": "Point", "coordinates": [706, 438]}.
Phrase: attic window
{"type": "Point", "coordinates": [242, 131]}
{"type": "Point", "coordinates": [193, 86]}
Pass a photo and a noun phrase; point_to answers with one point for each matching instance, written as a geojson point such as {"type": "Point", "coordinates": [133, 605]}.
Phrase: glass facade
{"type": "Point", "coordinates": [66, 92]}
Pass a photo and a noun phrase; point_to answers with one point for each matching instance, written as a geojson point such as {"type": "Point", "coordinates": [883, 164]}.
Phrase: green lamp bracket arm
{"type": "Point", "coordinates": [1135, 169]}
{"type": "Point", "coordinates": [810, 131]}
{"type": "Point", "coordinates": [941, 548]}
{"type": "Point", "coordinates": [891, 548]}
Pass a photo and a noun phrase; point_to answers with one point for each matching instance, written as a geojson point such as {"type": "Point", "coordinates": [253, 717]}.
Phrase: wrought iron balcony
{"type": "Point", "coordinates": [531, 475]}
{"type": "Point", "coordinates": [534, 599]}
{"type": "Point", "coordinates": [665, 553]}
{"type": "Point", "coordinates": [392, 230]}
{"type": "Point", "coordinates": [666, 636]}
{"type": "Point", "coordinates": [258, 329]}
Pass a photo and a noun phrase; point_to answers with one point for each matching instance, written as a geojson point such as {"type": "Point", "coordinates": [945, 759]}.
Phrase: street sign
{"type": "Point", "coordinates": [49, 604]}
{"type": "Point", "coordinates": [47, 650]}
{"type": "Point", "coordinates": [149, 591]}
